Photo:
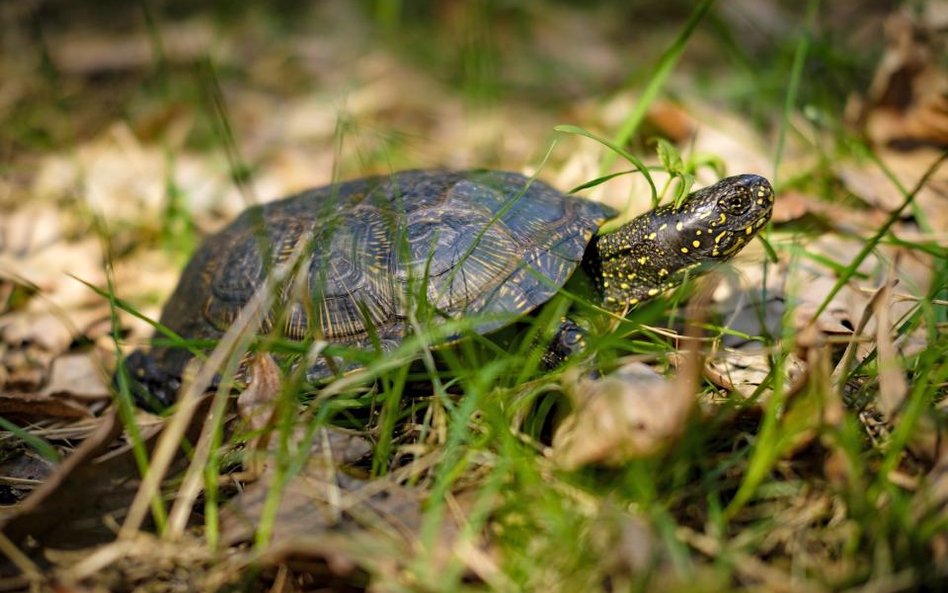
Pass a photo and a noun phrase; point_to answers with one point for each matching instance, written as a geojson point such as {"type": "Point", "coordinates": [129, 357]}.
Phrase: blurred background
{"type": "Point", "coordinates": [308, 90]}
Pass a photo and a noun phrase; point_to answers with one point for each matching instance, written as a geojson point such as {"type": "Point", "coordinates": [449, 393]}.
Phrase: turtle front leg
{"type": "Point", "coordinates": [151, 386]}
{"type": "Point", "coordinates": [569, 339]}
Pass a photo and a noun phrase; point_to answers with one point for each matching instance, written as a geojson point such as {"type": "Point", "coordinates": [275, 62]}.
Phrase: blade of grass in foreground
{"type": "Point", "coordinates": [796, 73]}
{"type": "Point", "coordinates": [123, 395]}
{"type": "Point", "coordinates": [43, 448]}
{"type": "Point", "coordinates": [616, 149]}
{"type": "Point", "coordinates": [665, 65]}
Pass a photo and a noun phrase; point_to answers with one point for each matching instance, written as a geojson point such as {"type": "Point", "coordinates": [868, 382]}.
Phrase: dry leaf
{"type": "Point", "coordinates": [42, 406]}
{"type": "Point", "coordinates": [95, 481]}
{"type": "Point", "coordinates": [77, 376]}
{"type": "Point", "coordinates": [893, 386]}
{"type": "Point", "coordinates": [64, 494]}
{"type": "Point", "coordinates": [22, 470]}
{"type": "Point", "coordinates": [673, 121]}
{"type": "Point", "coordinates": [635, 412]}
{"type": "Point", "coordinates": [35, 254]}
{"type": "Point", "coordinates": [808, 282]}
{"type": "Point", "coordinates": [842, 219]}
{"type": "Point", "coordinates": [907, 101]}
{"type": "Point", "coordinates": [874, 187]}
{"type": "Point", "coordinates": [315, 499]}
{"type": "Point", "coordinates": [743, 372]}
{"type": "Point", "coordinates": [255, 403]}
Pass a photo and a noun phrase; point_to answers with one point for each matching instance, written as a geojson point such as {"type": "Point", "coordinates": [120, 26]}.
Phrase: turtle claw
{"type": "Point", "coordinates": [570, 339]}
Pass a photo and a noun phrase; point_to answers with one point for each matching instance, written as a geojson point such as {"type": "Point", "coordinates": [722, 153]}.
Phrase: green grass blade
{"type": "Point", "coordinates": [796, 73]}
{"type": "Point", "coordinates": [45, 450]}
{"type": "Point", "coordinates": [123, 395]}
{"type": "Point", "coordinates": [664, 68]}
{"type": "Point", "coordinates": [616, 148]}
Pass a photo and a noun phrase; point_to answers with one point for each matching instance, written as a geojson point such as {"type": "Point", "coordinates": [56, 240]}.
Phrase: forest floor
{"type": "Point", "coordinates": [797, 442]}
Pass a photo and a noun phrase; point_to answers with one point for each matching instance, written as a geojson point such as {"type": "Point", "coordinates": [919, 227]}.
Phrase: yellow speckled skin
{"type": "Point", "coordinates": [651, 253]}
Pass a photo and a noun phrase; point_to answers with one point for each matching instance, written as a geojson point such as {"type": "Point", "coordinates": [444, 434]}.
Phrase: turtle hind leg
{"type": "Point", "coordinates": [151, 386]}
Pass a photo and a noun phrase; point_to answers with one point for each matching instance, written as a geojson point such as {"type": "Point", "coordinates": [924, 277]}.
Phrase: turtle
{"type": "Point", "coordinates": [481, 245]}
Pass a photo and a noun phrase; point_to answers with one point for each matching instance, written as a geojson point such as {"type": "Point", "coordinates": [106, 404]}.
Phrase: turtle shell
{"type": "Point", "coordinates": [490, 245]}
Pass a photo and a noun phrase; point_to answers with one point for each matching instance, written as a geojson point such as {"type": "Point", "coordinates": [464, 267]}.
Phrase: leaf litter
{"type": "Point", "coordinates": [334, 522]}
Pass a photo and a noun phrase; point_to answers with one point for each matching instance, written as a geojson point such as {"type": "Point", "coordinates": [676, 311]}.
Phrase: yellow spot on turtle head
{"type": "Point", "coordinates": [679, 226]}
{"type": "Point", "coordinates": [736, 247]}
{"type": "Point", "coordinates": [722, 218]}
{"type": "Point", "coordinates": [652, 291]}
{"type": "Point", "coordinates": [719, 237]}
{"type": "Point", "coordinates": [698, 232]}
{"type": "Point", "coordinates": [633, 301]}
{"type": "Point", "coordinates": [605, 284]}
{"type": "Point", "coordinates": [624, 286]}
{"type": "Point", "coordinates": [663, 272]}
{"type": "Point", "coordinates": [748, 230]}
{"type": "Point", "coordinates": [696, 243]}
{"type": "Point", "coordinates": [631, 276]}
{"type": "Point", "coordinates": [651, 236]}
{"type": "Point", "coordinates": [684, 250]}
{"type": "Point", "coordinates": [643, 259]}
{"type": "Point", "coordinates": [663, 227]}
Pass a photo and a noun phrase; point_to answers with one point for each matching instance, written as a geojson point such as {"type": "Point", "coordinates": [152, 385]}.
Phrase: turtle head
{"type": "Point", "coordinates": [714, 223]}
{"type": "Point", "coordinates": [654, 252]}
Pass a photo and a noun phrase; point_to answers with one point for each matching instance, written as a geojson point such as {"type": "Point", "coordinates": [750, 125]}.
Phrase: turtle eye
{"type": "Point", "coordinates": [735, 204]}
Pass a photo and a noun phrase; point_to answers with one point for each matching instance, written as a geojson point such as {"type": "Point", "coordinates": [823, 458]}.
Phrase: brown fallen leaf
{"type": "Point", "coordinates": [96, 481]}
{"type": "Point", "coordinates": [894, 387]}
{"type": "Point", "coordinates": [632, 413]}
{"type": "Point", "coordinates": [37, 258]}
{"type": "Point", "coordinates": [907, 102]}
{"type": "Point", "coordinates": [875, 187]}
{"type": "Point", "coordinates": [21, 470]}
{"type": "Point", "coordinates": [806, 282]}
{"type": "Point", "coordinates": [255, 405]}
{"type": "Point", "coordinates": [743, 371]}
{"type": "Point", "coordinates": [79, 376]}
{"type": "Point", "coordinates": [312, 501]}
{"type": "Point", "coordinates": [673, 121]}
{"type": "Point", "coordinates": [63, 494]}
{"type": "Point", "coordinates": [62, 388]}
{"type": "Point", "coordinates": [842, 219]}
{"type": "Point", "coordinates": [44, 406]}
